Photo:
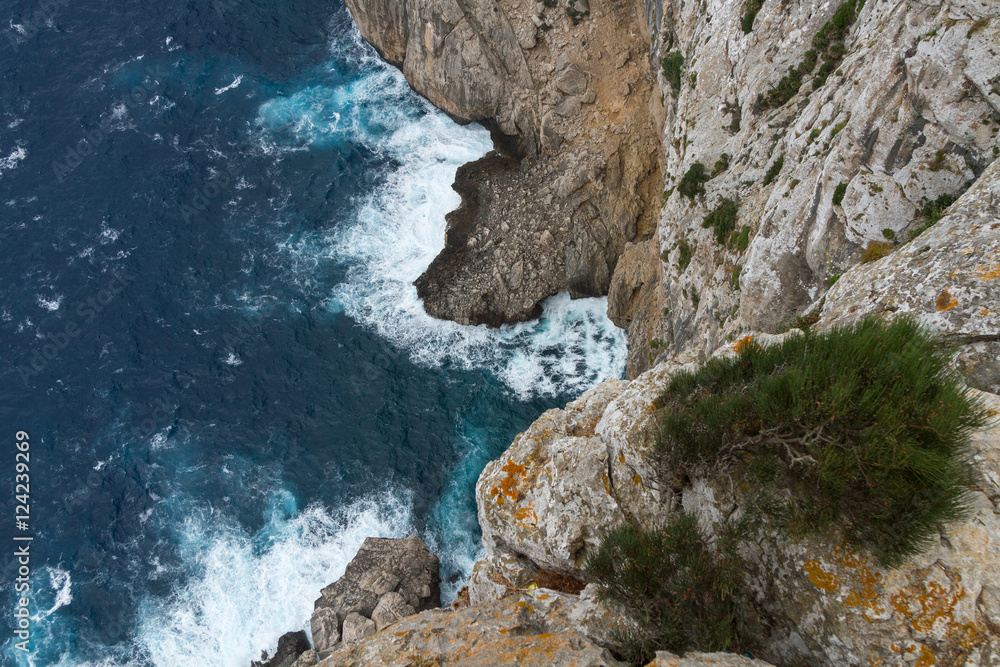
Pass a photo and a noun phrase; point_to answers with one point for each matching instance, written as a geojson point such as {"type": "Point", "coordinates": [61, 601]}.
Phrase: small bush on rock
{"type": "Point", "coordinates": [679, 594]}
{"type": "Point", "coordinates": [723, 219]}
{"type": "Point", "coordinates": [864, 427]}
{"type": "Point", "coordinates": [693, 182]}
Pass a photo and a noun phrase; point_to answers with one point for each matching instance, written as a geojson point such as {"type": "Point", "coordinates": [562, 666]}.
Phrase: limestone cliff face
{"type": "Point", "coordinates": [566, 90]}
{"type": "Point", "coordinates": [909, 113]}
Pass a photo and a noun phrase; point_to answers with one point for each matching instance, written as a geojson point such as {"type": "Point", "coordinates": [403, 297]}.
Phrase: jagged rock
{"type": "Point", "coordinates": [535, 628]}
{"type": "Point", "coordinates": [291, 646]}
{"type": "Point", "coordinates": [357, 627]}
{"type": "Point", "coordinates": [948, 278]}
{"type": "Point", "coordinates": [307, 659]}
{"type": "Point", "coordinates": [586, 165]}
{"type": "Point", "coordinates": [325, 627]}
{"type": "Point", "coordinates": [821, 602]}
{"type": "Point", "coordinates": [543, 497]}
{"type": "Point", "coordinates": [383, 565]}
{"type": "Point", "coordinates": [390, 608]}
{"type": "Point", "coordinates": [906, 117]}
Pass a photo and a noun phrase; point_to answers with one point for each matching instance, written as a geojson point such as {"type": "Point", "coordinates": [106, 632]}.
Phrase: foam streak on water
{"type": "Point", "coordinates": [399, 230]}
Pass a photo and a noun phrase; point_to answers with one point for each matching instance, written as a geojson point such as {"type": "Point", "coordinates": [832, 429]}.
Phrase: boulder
{"type": "Point", "coordinates": [948, 278]}
{"type": "Point", "coordinates": [390, 608]}
{"type": "Point", "coordinates": [357, 627]}
{"type": "Point", "coordinates": [384, 565]}
{"type": "Point", "coordinates": [325, 627]}
{"type": "Point", "coordinates": [291, 646]}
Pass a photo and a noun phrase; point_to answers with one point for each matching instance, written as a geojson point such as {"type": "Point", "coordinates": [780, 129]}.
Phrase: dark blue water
{"type": "Point", "coordinates": [211, 214]}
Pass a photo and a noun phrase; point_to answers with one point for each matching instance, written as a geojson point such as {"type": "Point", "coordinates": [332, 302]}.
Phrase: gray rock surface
{"type": "Point", "coordinates": [582, 184]}
{"type": "Point", "coordinates": [948, 278]}
{"type": "Point", "coordinates": [390, 608]}
{"type": "Point", "coordinates": [384, 565]}
{"type": "Point", "coordinates": [357, 627]}
{"type": "Point", "coordinates": [910, 114]}
{"type": "Point", "coordinates": [325, 627]}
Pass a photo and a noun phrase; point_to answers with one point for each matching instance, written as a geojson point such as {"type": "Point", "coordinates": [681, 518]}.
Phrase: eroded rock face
{"type": "Point", "coordinates": [570, 96]}
{"type": "Point", "coordinates": [823, 603]}
{"type": "Point", "coordinates": [386, 580]}
{"type": "Point", "coordinates": [910, 114]}
{"type": "Point", "coordinates": [531, 628]}
{"type": "Point", "coordinates": [948, 278]}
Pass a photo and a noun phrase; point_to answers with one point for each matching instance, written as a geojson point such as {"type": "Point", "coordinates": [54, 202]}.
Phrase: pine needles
{"type": "Point", "coordinates": [865, 425]}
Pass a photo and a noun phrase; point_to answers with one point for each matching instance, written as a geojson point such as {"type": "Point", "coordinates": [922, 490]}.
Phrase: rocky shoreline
{"type": "Point", "coordinates": [722, 177]}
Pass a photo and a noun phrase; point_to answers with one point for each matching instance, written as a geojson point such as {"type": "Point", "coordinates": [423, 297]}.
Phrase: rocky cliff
{"type": "Point", "coordinates": [568, 93]}
{"type": "Point", "coordinates": [718, 169]}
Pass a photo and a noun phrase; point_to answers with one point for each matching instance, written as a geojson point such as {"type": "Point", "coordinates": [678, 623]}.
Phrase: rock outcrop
{"type": "Point", "coordinates": [388, 579]}
{"type": "Point", "coordinates": [567, 91]}
{"type": "Point", "coordinates": [901, 111]}
{"type": "Point", "coordinates": [824, 603]}
{"type": "Point", "coordinates": [852, 157]}
{"type": "Point", "coordinates": [293, 651]}
{"type": "Point", "coordinates": [948, 278]}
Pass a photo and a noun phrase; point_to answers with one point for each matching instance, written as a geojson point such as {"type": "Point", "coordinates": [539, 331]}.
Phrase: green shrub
{"type": "Point", "coordinates": [749, 14]}
{"type": "Point", "coordinates": [723, 219]}
{"type": "Point", "coordinates": [680, 596]}
{"type": "Point", "coordinates": [693, 182]}
{"type": "Point", "coordinates": [838, 193]}
{"type": "Point", "coordinates": [934, 210]}
{"type": "Point", "coordinates": [827, 45]}
{"type": "Point", "coordinates": [773, 172]}
{"type": "Point", "coordinates": [742, 240]}
{"type": "Point", "coordinates": [672, 64]}
{"type": "Point", "coordinates": [684, 255]}
{"type": "Point", "coordinates": [720, 165]}
{"type": "Point", "coordinates": [865, 426]}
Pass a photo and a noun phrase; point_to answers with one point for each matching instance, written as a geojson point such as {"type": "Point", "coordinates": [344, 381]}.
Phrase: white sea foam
{"type": "Point", "coordinates": [10, 162]}
{"type": "Point", "coordinates": [236, 82]}
{"type": "Point", "coordinates": [399, 229]}
{"type": "Point", "coordinates": [243, 591]}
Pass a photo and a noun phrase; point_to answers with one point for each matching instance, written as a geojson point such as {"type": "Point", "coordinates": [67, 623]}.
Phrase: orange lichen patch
{"type": "Point", "coordinates": [930, 608]}
{"type": "Point", "coordinates": [743, 344]}
{"type": "Point", "coordinates": [508, 485]}
{"type": "Point", "coordinates": [865, 594]}
{"type": "Point", "coordinates": [946, 301]}
{"type": "Point", "coordinates": [984, 311]}
{"type": "Point", "coordinates": [989, 273]}
{"type": "Point", "coordinates": [607, 484]}
{"type": "Point", "coordinates": [621, 458]}
{"type": "Point", "coordinates": [926, 658]}
{"type": "Point", "coordinates": [820, 578]}
{"type": "Point", "coordinates": [526, 514]}
{"type": "Point", "coordinates": [637, 479]}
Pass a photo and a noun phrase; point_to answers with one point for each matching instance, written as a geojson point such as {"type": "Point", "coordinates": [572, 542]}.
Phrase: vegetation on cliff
{"type": "Point", "coordinates": [682, 595]}
{"type": "Point", "coordinates": [865, 426]}
{"type": "Point", "coordinates": [861, 430]}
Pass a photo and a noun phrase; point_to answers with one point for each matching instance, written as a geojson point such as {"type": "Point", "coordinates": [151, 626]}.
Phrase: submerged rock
{"type": "Point", "coordinates": [291, 646]}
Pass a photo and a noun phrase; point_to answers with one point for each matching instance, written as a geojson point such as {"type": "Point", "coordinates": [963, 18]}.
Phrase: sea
{"type": "Point", "coordinates": [211, 216]}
